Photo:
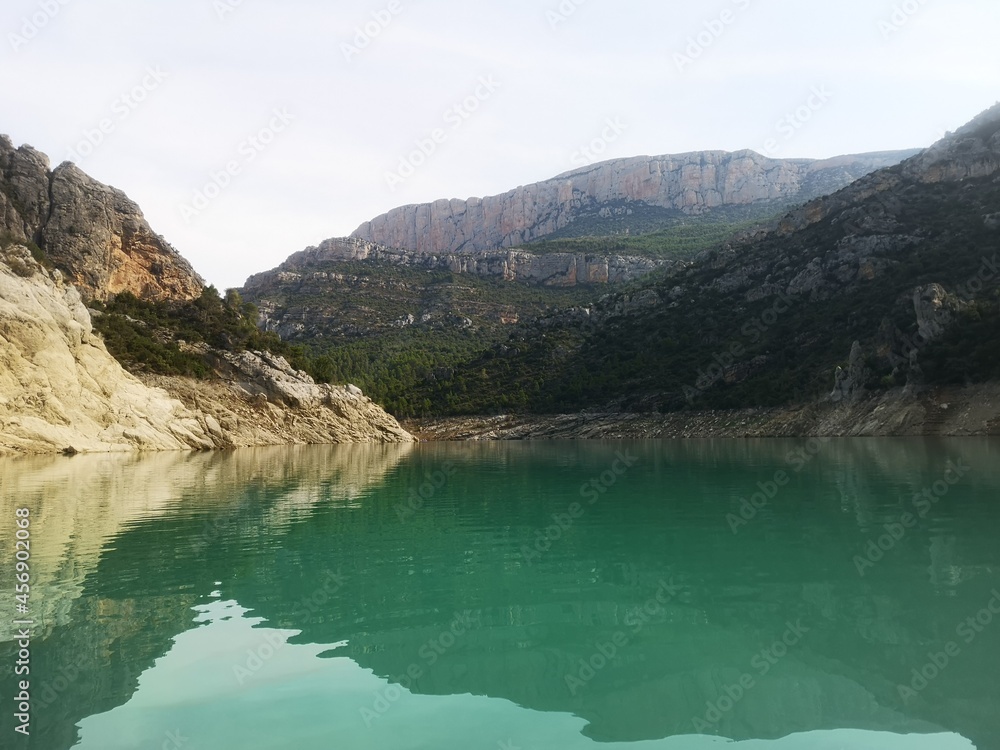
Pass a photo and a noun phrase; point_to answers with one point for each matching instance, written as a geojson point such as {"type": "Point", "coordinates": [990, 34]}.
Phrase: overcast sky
{"type": "Point", "coordinates": [298, 120]}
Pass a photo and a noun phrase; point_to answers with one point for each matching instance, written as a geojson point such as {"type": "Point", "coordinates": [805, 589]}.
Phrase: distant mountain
{"type": "Point", "coordinates": [890, 283]}
{"type": "Point", "coordinates": [633, 196]}
{"type": "Point", "coordinates": [92, 233]}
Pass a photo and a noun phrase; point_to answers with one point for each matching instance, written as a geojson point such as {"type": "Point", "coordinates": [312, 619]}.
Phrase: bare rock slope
{"type": "Point", "coordinates": [60, 389]}
{"type": "Point", "coordinates": [67, 240]}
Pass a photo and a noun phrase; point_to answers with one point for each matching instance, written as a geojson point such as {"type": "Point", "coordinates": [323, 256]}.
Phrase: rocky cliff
{"type": "Point", "coordinates": [60, 389]}
{"type": "Point", "coordinates": [690, 183]}
{"type": "Point", "coordinates": [67, 241]}
{"type": "Point", "coordinates": [551, 269]}
{"type": "Point", "coordinates": [92, 233]}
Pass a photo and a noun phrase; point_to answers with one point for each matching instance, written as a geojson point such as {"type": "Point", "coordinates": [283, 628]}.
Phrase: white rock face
{"type": "Point", "coordinates": [61, 390]}
{"type": "Point", "coordinates": [59, 386]}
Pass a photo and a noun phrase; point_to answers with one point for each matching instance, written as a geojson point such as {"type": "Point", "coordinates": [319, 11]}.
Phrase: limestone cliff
{"type": "Point", "coordinates": [93, 233]}
{"type": "Point", "coordinates": [551, 269]}
{"type": "Point", "coordinates": [690, 183]}
{"type": "Point", "coordinates": [60, 389]}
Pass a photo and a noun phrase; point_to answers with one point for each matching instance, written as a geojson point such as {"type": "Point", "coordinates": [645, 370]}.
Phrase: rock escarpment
{"type": "Point", "coordinates": [60, 389]}
{"type": "Point", "coordinates": [552, 269]}
{"type": "Point", "coordinates": [92, 233]}
{"type": "Point", "coordinates": [690, 183]}
{"type": "Point", "coordinates": [67, 240]}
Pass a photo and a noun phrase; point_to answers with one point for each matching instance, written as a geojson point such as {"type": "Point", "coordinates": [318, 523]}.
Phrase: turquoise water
{"type": "Point", "coordinates": [651, 596]}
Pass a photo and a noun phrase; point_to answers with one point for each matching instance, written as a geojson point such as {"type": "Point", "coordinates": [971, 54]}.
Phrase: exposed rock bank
{"type": "Point", "coordinates": [960, 412]}
{"type": "Point", "coordinates": [263, 401]}
{"type": "Point", "coordinates": [60, 389]}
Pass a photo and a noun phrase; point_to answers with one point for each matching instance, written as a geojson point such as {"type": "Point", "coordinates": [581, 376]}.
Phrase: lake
{"type": "Point", "coordinates": [782, 594]}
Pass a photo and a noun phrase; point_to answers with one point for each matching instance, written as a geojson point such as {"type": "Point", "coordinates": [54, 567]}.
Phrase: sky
{"type": "Point", "coordinates": [247, 130]}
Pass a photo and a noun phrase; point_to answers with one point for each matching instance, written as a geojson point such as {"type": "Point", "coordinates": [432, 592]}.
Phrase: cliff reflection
{"type": "Point", "coordinates": [121, 546]}
{"type": "Point", "coordinates": [269, 529]}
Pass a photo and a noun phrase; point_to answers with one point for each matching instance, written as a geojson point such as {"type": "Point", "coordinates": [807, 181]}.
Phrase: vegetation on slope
{"type": "Point", "coordinates": [706, 346]}
{"type": "Point", "coordinates": [353, 317]}
{"type": "Point", "coordinates": [390, 329]}
{"type": "Point", "coordinates": [653, 232]}
{"type": "Point", "coordinates": [162, 337]}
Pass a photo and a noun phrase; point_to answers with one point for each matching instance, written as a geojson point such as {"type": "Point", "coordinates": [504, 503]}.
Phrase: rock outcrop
{"type": "Point", "coordinates": [889, 283]}
{"type": "Point", "coordinates": [262, 400]}
{"type": "Point", "coordinates": [551, 269]}
{"type": "Point", "coordinates": [690, 183]}
{"type": "Point", "coordinates": [849, 384]}
{"type": "Point", "coordinates": [92, 233]}
{"type": "Point", "coordinates": [60, 389]}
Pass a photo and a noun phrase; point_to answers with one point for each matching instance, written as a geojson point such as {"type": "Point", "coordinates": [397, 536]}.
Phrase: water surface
{"type": "Point", "coordinates": [539, 595]}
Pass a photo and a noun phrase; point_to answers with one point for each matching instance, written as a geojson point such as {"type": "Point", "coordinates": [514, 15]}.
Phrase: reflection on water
{"type": "Point", "coordinates": [472, 595]}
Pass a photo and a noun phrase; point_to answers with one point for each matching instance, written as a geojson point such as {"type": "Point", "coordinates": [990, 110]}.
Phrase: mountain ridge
{"type": "Point", "coordinates": [889, 283]}
{"type": "Point", "coordinates": [677, 184]}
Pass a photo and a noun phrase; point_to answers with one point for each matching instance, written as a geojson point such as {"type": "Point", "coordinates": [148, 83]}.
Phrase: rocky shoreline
{"type": "Point", "coordinates": [61, 391]}
{"type": "Point", "coordinates": [965, 412]}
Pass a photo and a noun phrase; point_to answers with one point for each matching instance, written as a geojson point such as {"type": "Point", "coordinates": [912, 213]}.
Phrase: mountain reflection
{"type": "Point", "coordinates": [641, 614]}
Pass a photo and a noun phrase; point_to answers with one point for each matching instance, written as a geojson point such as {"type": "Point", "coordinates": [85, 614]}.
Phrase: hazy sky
{"type": "Point", "coordinates": [298, 120]}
